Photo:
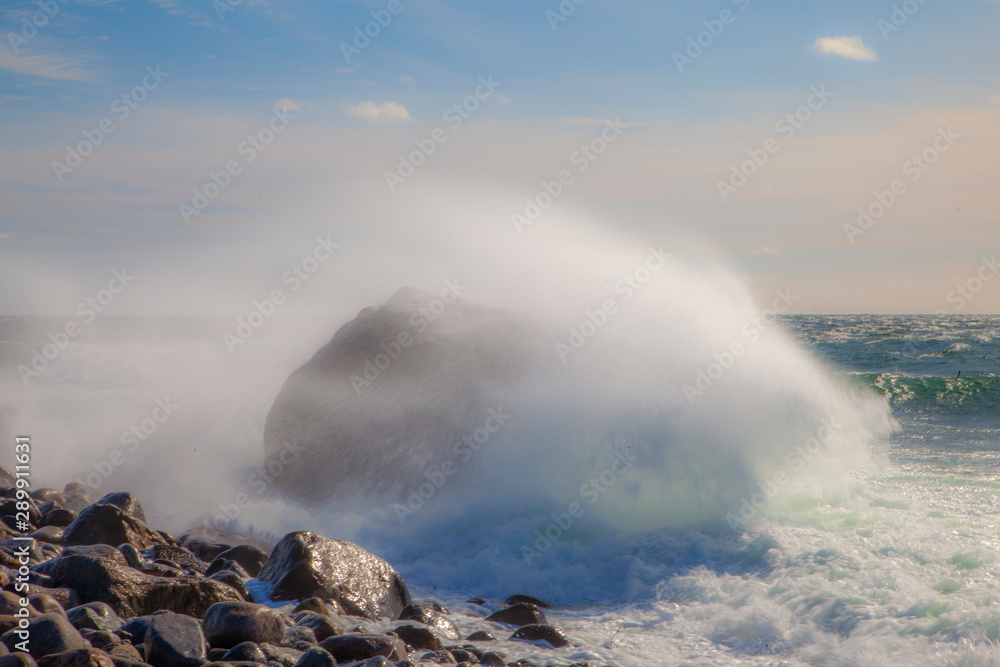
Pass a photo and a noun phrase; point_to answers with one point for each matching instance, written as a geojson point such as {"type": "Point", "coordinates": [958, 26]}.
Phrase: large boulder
{"type": "Point", "coordinates": [304, 564]}
{"type": "Point", "coordinates": [109, 524]}
{"type": "Point", "coordinates": [380, 404]}
{"type": "Point", "coordinates": [132, 593]}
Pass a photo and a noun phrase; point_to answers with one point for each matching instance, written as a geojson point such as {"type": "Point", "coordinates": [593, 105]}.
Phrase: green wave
{"type": "Point", "coordinates": [975, 392]}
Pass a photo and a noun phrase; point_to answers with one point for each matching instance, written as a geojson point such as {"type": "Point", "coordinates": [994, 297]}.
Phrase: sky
{"type": "Point", "coordinates": [845, 150]}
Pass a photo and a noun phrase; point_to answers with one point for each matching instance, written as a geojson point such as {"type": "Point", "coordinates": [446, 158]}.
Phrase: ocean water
{"type": "Point", "coordinates": [742, 533]}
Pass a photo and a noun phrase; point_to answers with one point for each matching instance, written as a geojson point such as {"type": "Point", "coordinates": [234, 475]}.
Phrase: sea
{"type": "Point", "coordinates": [885, 551]}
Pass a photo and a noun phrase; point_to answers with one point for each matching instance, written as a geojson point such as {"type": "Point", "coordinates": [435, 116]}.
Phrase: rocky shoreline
{"type": "Point", "coordinates": [96, 586]}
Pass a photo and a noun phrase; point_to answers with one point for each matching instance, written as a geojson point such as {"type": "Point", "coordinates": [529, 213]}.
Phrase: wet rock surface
{"type": "Point", "coordinates": [248, 556]}
{"type": "Point", "coordinates": [132, 593]}
{"type": "Point", "coordinates": [228, 624]}
{"type": "Point", "coordinates": [174, 640]}
{"type": "Point", "coordinates": [305, 564]}
{"type": "Point", "coordinates": [432, 614]}
{"type": "Point", "coordinates": [86, 657]}
{"type": "Point", "coordinates": [418, 637]}
{"type": "Point", "coordinates": [347, 648]}
{"type": "Point", "coordinates": [47, 634]}
{"type": "Point", "coordinates": [519, 614]}
{"type": "Point", "coordinates": [541, 632]}
{"type": "Point", "coordinates": [109, 524]}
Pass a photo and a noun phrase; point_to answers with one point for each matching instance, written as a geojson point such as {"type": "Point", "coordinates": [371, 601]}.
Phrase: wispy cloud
{"type": "Point", "coordinates": [845, 47]}
{"type": "Point", "coordinates": [765, 250]}
{"type": "Point", "coordinates": [50, 65]}
{"type": "Point", "coordinates": [387, 112]}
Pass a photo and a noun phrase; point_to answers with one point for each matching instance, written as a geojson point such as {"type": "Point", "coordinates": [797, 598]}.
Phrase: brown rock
{"type": "Point", "coordinates": [46, 634]}
{"type": "Point", "coordinates": [430, 613]}
{"type": "Point", "coordinates": [131, 593]}
{"type": "Point", "coordinates": [419, 637]}
{"type": "Point", "coordinates": [126, 502]}
{"type": "Point", "coordinates": [227, 624]}
{"type": "Point", "coordinates": [540, 633]}
{"type": "Point", "coordinates": [109, 524]}
{"type": "Point", "coordinates": [59, 516]}
{"type": "Point", "coordinates": [124, 650]}
{"type": "Point", "coordinates": [84, 657]}
{"type": "Point", "coordinates": [46, 603]}
{"type": "Point", "coordinates": [17, 659]}
{"type": "Point", "coordinates": [10, 604]}
{"type": "Point", "coordinates": [315, 605]}
{"type": "Point", "coordinates": [345, 648]}
{"type": "Point", "coordinates": [48, 534]}
{"type": "Point", "coordinates": [518, 615]}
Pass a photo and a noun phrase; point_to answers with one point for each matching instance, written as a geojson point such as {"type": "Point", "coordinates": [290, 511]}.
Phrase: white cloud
{"type": "Point", "coordinates": [765, 250]}
{"type": "Point", "coordinates": [49, 66]}
{"type": "Point", "coordinates": [845, 47]}
{"type": "Point", "coordinates": [387, 112]}
{"type": "Point", "coordinates": [408, 80]}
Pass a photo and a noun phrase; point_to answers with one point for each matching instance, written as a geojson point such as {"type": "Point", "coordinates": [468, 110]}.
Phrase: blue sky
{"type": "Point", "coordinates": [348, 121]}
